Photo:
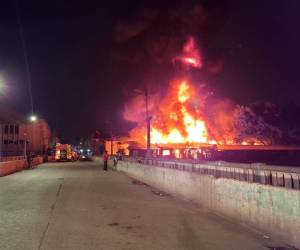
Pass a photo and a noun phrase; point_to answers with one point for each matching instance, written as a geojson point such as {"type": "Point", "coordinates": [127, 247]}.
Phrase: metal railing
{"type": "Point", "coordinates": [280, 176]}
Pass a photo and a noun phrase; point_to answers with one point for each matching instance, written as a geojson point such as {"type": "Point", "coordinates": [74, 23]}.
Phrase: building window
{"type": "Point", "coordinates": [11, 142]}
{"type": "Point", "coordinates": [16, 142]}
{"type": "Point", "coordinates": [16, 129]}
{"type": "Point", "coordinates": [6, 129]}
{"type": "Point", "coordinates": [5, 142]}
{"type": "Point", "coordinates": [11, 129]}
{"type": "Point", "coordinates": [21, 142]}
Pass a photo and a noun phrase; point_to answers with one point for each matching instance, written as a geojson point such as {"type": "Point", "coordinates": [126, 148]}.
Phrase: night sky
{"type": "Point", "coordinates": [86, 57]}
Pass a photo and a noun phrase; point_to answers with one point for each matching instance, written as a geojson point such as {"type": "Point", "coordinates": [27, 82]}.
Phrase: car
{"type": "Point", "coordinates": [85, 155]}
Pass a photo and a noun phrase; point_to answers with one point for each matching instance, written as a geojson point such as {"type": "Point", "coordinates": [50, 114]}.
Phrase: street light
{"type": "Point", "coordinates": [2, 84]}
{"type": "Point", "coordinates": [2, 87]}
{"type": "Point", "coordinates": [25, 145]}
{"type": "Point", "coordinates": [33, 118]}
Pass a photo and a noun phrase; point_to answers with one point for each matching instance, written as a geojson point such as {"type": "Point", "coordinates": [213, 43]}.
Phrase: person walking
{"type": "Point", "coordinates": [105, 159]}
{"type": "Point", "coordinates": [115, 159]}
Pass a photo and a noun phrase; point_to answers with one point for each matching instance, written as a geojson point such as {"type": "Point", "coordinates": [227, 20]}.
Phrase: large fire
{"type": "Point", "coordinates": [178, 118]}
{"type": "Point", "coordinates": [182, 123]}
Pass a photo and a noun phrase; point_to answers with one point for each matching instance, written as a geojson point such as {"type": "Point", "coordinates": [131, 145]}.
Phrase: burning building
{"type": "Point", "coordinates": [184, 122]}
{"type": "Point", "coordinates": [180, 117]}
{"type": "Point", "coordinates": [160, 52]}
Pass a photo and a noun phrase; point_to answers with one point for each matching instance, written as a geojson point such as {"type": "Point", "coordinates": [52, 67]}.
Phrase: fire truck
{"type": "Point", "coordinates": [64, 152]}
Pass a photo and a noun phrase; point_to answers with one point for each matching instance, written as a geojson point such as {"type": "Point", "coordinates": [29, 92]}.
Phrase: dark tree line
{"type": "Point", "coordinates": [267, 123]}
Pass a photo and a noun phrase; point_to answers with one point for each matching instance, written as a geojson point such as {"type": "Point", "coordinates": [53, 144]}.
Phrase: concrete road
{"type": "Point", "coordinates": [79, 206]}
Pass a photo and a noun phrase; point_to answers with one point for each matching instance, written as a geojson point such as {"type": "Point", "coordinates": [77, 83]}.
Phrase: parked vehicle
{"type": "Point", "coordinates": [85, 154]}
{"type": "Point", "coordinates": [64, 152]}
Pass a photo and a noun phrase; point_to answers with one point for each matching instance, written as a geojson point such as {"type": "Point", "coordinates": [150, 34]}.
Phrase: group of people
{"type": "Point", "coordinates": [116, 158]}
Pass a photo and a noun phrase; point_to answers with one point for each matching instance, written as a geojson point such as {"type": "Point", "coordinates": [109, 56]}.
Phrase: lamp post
{"type": "Point", "coordinates": [25, 145]}
{"type": "Point", "coordinates": [2, 84]}
{"type": "Point", "coordinates": [2, 89]}
{"type": "Point", "coordinates": [32, 119]}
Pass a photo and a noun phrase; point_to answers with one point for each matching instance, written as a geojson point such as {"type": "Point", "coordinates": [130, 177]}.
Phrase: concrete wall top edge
{"type": "Point", "coordinates": [255, 166]}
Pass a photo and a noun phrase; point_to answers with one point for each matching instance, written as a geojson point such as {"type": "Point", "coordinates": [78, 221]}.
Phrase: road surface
{"type": "Point", "coordinates": [79, 206]}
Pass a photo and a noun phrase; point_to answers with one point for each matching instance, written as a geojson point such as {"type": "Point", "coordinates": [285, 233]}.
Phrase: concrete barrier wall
{"type": "Point", "coordinates": [51, 158]}
{"type": "Point", "coordinates": [10, 167]}
{"type": "Point", "coordinates": [37, 161]}
{"type": "Point", "coordinates": [269, 209]}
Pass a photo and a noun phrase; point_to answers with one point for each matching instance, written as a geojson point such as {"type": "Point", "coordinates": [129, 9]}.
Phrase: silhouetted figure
{"type": "Point", "coordinates": [105, 159]}
{"type": "Point", "coordinates": [29, 160]}
{"type": "Point", "coordinates": [119, 156]}
{"type": "Point", "coordinates": [115, 159]}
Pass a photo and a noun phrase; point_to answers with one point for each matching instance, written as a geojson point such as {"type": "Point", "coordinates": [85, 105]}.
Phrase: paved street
{"type": "Point", "coordinates": [79, 206]}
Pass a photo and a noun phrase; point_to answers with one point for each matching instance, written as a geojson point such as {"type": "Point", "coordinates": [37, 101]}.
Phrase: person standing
{"type": "Point", "coordinates": [29, 160]}
{"type": "Point", "coordinates": [105, 159]}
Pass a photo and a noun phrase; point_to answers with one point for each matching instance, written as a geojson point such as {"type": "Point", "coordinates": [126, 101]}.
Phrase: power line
{"type": "Point", "coordinates": [25, 55]}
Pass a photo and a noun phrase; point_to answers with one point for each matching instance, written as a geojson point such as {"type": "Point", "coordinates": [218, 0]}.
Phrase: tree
{"type": "Point", "coordinates": [251, 127]}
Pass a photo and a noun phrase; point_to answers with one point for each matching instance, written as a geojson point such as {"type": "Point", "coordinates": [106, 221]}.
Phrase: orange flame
{"type": "Point", "coordinates": [178, 120]}
{"type": "Point", "coordinates": [187, 128]}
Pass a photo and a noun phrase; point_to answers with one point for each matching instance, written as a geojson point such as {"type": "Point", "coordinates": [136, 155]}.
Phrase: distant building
{"type": "Point", "coordinates": [94, 142]}
{"type": "Point", "coordinates": [97, 143]}
{"type": "Point", "coordinates": [15, 131]}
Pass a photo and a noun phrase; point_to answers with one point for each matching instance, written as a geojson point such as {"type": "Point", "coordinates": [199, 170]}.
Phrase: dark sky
{"type": "Point", "coordinates": [80, 54]}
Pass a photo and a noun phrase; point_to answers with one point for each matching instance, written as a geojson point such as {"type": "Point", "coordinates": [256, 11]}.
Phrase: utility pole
{"type": "Point", "coordinates": [111, 138]}
{"type": "Point", "coordinates": [25, 56]}
{"type": "Point", "coordinates": [111, 145]}
{"type": "Point", "coordinates": [25, 145]}
{"type": "Point", "coordinates": [148, 120]}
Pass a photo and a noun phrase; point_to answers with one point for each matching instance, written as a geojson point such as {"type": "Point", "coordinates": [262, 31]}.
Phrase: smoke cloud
{"type": "Point", "coordinates": [146, 44]}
